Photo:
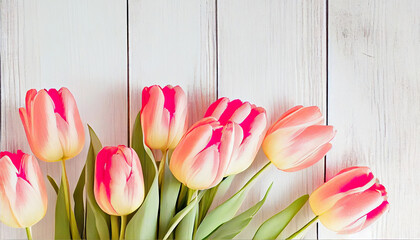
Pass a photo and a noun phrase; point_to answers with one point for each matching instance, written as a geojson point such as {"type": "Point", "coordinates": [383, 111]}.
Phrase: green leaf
{"type": "Point", "coordinates": [53, 183]}
{"type": "Point", "coordinates": [181, 214]}
{"type": "Point", "coordinates": [220, 190]}
{"type": "Point", "coordinates": [169, 195]}
{"type": "Point", "coordinates": [91, 232]}
{"type": "Point", "coordinates": [62, 223]}
{"type": "Point", "coordinates": [144, 222]}
{"type": "Point", "coordinates": [101, 219]}
{"type": "Point", "coordinates": [225, 211]}
{"type": "Point", "coordinates": [272, 227]}
{"type": "Point", "coordinates": [185, 228]}
{"type": "Point", "coordinates": [234, 226]}
{"type": "Point", "coordinates": [79, 210]}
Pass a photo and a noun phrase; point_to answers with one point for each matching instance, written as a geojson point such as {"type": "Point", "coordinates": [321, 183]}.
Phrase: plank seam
{"type": "Point", "coordinates": [128, 73]}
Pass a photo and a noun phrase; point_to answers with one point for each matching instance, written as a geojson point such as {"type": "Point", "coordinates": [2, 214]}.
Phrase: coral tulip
{"type": "Point", "coordinates": [119, 186]}
{"type": "Point", "coordinates": [52, 124]}
{"type": "Point", "coordinates": [350, 201]}
{"type": "Point", "coordinates": [252, 121]}
{"type": "Point", "coordinates": [298, 140]}
{"type": "Point", "coordinates": [163, 116]}
{"type": "Point", "coordinates": [23, 197]}
{"type": "Point", "coordinates": [202, 156]}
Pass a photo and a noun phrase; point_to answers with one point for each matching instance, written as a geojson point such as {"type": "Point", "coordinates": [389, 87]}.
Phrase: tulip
{"type": "Point", "coordinates": [298, 139]}
{"type": "Point", "coordinates": [163, 116]}
{"type": "Point", "coordinates": [23, 197]}
{"type": "Point", "coordinates": [119, 186]}
{"type": "Point", "coordinates": [202, 156]}
{"type": "Point", "coordinates": [52, 124]}
{"type": "Point", "coordinates": [252, 123]}
{"type": "Point", "coordinates": [350, 201]}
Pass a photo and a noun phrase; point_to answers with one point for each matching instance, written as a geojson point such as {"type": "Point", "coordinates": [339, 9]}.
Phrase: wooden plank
{"type": "Point", "coordinates": [173, 42]}
{"type": "Point", "coordinates": [374, 59]}
{"type": "Point", "coordinates": [272, 53]}
{"type": "Point", "coordinates": [78, 44]}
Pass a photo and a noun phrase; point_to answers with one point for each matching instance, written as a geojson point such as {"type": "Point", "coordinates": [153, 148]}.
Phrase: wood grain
{"type": "Point", "coordinates": [50, 44]}
{"type": "Point", "coordinates": [272, 53]}
{"type": "Point", "coordinates": [173, 42]}
{"type": "Point", "coordinates": [374, 101]}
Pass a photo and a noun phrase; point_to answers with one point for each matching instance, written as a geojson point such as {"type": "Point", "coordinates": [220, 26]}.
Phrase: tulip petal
{"type": "Point", "coordinates": [74, 132]}
{"type": "Point", "coordinates": [43, 138]}
{"type": "Point", "coordinates": [217, 108]}
{"type": "Point", "coordinates": [349, 182]}
{"type": "Point", "coordinates": [298, 117]}
{"type": "Point", "coordinates": [178, 123]}
{"type": "Point", "coordinates": [189, 146]}
{"type": "Point", "coordinates": [204, 169]}
{"type": "Point", "coordinates": [155, 119]}
{"type": "Point", "coordinates": [350, 208]}
{"type": "Point", "coordinates": [8, 180]}
{"type": "Point", "coordinates": [313, 158]}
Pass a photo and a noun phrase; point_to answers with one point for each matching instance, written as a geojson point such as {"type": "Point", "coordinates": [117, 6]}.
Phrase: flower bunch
{"type": "Point", "coordinates": [162, 185]}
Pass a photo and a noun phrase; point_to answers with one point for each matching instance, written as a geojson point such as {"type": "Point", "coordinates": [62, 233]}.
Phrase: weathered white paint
{"type": "Point", "coordinates": [374, 101]}
{"type": "Point", "coordinates": [271, 53]}
{"type": "Point", "coordinates": [77, 44]}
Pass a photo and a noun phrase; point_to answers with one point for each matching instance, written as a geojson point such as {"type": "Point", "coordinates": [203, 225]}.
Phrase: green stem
{"type": "Point", "coordinates": [29, 233]}
{"type": "Point", "coordinates": [257, 174]}
{"type": "Point", "coordinates": [114, 227]}
{"type": "Point", "coordinates": [123, 225]}
{"type": "Point", "coordinates": [161, 170]}
{"type": "Point", "coordinates": [302, 230]}
{"type": "Point", "coordinates": [70, 214]}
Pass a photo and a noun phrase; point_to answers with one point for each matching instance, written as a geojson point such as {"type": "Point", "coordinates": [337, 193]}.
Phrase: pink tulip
{"type": "Point", "coordinates": [202, 156]}
{"type": "Point", "coordinates": [163, 116]}
{"type": "Point", "coordinates": [52, 124]}
{"type": "Point", "coordinates": [350, 201]}
{"type": "Point", "coordinates": [119, 186]}
{"type": "Point", "coordinates": [252, 121]}
{"type": "Point", "coordinates": [298, 139]}
{"type": "Point", "coordinates": [23, 197]}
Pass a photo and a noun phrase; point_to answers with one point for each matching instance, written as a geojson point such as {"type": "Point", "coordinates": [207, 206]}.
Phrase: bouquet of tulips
{"type": "Point", "coordinates": [163, 184]}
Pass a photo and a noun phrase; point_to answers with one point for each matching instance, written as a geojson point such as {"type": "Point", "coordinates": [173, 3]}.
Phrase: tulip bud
{"type": "Point", "coordinates": [52, 124]}
{"type": "Point", "coordinates": [298, 139]}
{"type": "Point", "coordinates": [163, 116]}
{"type": "Point", "coordinates": [252, 122]}
{"type": "Point", "coordinates": [201, 158]}
{"type": "Point", "coordinates": [350, 201]}
{"type": "Point", "coordinates": [23, 197]}
{"type": "Point", "coordinates": [119, 186]}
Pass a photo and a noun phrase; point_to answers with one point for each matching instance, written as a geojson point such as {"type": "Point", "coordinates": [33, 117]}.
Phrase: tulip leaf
{"type": "Point", "coordinates": [185, 228]}
{"type": "Point", "coordinates": [79, 210]}
{"type": "Point", "coordinates": [53, 183]}
{"type": "Point", "coordinates": [144, 222]}
{"type": "Point", "coordinates": [181, 214]}
{"type": "Point", "coordinates": [272, 227]}
{"type": "Point", "coordinates": [220, 190]}
{"type": "Point", "coordinates": [62, 223]}
{"type": "Point", "coordinates": [225, 211]}
{"type": "Point", "coordinates": [99, 217]}
{"type": "Point", "coordinates": [234, 226]}
{"type": "Point", "coordinates": [169, 195]}
{"type": "Point", "coordinates": [91, 232]}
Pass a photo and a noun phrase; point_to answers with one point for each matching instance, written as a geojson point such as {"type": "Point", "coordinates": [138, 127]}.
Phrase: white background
{"type": "Point", "coordinates": [358, 60]}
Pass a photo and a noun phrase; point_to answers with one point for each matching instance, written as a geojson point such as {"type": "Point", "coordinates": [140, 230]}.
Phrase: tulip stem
{"type": "Point", "coordinates": [114, 227]}
{"type": "Point", "coordinates": [29, 233]}
{"type": "Point", "coordinates": [303, 229]}
{"type": "Point", "coordinates": [70, 214]}
{"type": "Point", "coordinates": [161, 170]}
{"type": "Point", "coordinates": [123, 224]}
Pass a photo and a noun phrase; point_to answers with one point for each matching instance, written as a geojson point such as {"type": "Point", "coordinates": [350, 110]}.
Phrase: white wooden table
{"type": "Point", "coordinates": [358, 60]}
